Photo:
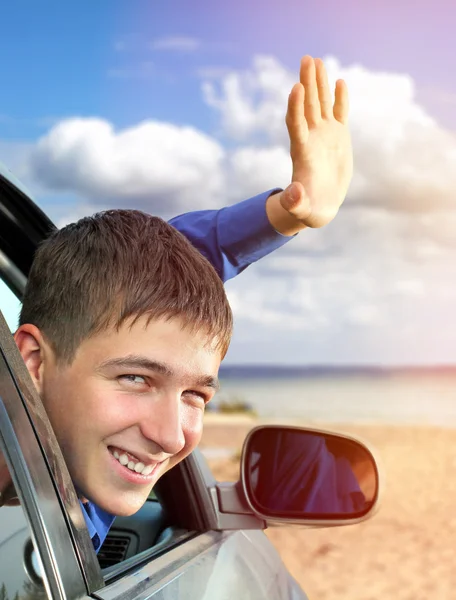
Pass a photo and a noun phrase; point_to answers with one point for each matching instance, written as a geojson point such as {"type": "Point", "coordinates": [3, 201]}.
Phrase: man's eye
{"type": "Point", "coordinates": [135, 379]}
{"type": "Point", "coordinates": [197, 396]}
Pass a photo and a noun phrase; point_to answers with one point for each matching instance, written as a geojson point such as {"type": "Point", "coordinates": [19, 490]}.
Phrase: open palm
{"type": "Point", "coordinates": [320, 146]}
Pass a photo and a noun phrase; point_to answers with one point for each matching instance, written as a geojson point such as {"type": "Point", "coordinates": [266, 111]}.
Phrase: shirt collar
{"type": "Point", "coordinates": [98, 523]}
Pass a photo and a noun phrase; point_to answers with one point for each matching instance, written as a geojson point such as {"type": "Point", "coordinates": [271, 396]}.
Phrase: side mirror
{"type": "Point", "coordinates": [306, 476]}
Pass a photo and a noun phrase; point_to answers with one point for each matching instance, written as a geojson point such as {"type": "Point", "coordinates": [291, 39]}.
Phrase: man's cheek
{"type": "Point", "coordinates": [194, 431]}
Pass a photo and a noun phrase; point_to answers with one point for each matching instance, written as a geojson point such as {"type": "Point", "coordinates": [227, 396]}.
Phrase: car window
{"type": "Point", "coordinates": [19, 567]}
{"type": "Point", "coordinates": [19, 562]}
{"type": "Point", "coordinates": [10, 306]}
{"type": "Point", "coordinates": [31, 459]}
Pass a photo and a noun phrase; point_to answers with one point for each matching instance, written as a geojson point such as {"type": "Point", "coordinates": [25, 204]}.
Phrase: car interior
{"type": "Point", "coordinates": [131, 535]}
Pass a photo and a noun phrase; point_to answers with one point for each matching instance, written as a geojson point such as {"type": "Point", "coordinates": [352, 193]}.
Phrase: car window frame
{"type": "Point", "coordinates": [65, 576]}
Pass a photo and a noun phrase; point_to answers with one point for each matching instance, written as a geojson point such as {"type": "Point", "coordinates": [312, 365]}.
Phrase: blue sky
{"type": "Point", "coordinates": [88, 87]}
{"type": "Point", "coordinates": [58, 59]}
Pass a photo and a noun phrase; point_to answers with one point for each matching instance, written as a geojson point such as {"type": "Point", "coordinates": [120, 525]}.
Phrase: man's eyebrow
{"type": "Point", "coordinates": [209, 382]}
{"type": "Point", "coordinates": [133, 361]}
{"type": "Point", "coordinates": [142, 362]}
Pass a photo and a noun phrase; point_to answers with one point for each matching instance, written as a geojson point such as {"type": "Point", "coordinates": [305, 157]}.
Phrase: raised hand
{"type": "Point", "coordinates": [320, 149]}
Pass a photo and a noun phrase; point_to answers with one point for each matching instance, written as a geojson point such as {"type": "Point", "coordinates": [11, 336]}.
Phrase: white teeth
{"type": "Point", "coordinates": [138, 467]}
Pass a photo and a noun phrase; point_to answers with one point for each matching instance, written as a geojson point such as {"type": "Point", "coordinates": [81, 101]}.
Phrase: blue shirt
{"type": "Point", "coordinates": [231, 238]}
{"type": "Point", "coordinates": [98, 523]}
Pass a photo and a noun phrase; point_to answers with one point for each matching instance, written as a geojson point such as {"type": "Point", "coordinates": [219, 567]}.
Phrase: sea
{"type": "Point", "coordinates": [409, 396]}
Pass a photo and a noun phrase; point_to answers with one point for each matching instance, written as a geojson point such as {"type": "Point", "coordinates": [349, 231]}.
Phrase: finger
{"type": "Point", "coordinates": [324, 93]}
{"type": "Point", "coordinates": [293, 200]}
{"type": "Point", "coordinates": [341, 103]}
{"type": "Point", "coordinates": [295, 119]}
{"type": "Point", "coordinates": [312, 109]}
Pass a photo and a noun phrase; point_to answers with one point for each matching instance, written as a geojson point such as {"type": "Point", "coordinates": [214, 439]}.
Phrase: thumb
{"type": "Point", "coordinates": [293, 200]}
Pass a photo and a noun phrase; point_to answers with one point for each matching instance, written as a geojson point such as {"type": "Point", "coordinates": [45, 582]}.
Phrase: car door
{"type": "Point", "coordinates": [28, 447]}
{"type": "Point", "coordinates": [193, 564]}
{"type": "Point", "coordinates": [199, 554]}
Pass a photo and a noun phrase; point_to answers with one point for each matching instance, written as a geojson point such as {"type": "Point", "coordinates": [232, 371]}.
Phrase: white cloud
{"type": "Point", "coordinates": [177, 43]}
{"type": "Point", "coordinates": [403, 159]}
{"type": "Point", "coordinates": [252, 101]}
{"type": "Point", "coordinates": [279, 307]}
{"type": "Point", "coordinates": [411, 287]}
{"type": "Point", "coordinates": [376, 284]}
{"type": "Point", "coordinates": [363, 314]}
{"type": "Point", "coordinates": [359, 290]}
{"type": "Point", "coordinates": [158, 165]}
{"type": "Point", "coordinates": [254, 169]}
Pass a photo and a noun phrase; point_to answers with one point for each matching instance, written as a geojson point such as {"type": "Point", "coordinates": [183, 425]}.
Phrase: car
{"type": "Point", "coordinates": [195, 538]}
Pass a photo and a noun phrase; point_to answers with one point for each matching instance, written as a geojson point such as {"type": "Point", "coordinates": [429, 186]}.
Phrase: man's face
{"type": "Point", "coordinates": [129, 407]}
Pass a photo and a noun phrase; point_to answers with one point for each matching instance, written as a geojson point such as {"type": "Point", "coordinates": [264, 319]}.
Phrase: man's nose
{"type": "Point", "coordinates": [162, 425]}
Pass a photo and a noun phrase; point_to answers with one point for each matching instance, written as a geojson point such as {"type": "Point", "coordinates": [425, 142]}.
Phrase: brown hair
{"type": "Point", "coordinates": [118, 264]}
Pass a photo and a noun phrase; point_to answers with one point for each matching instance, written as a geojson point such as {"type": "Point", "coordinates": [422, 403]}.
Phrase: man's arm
{"type": "Point", "coordinates": [320, 147]}
{"type": "Point", "coordinates": [233, 237]}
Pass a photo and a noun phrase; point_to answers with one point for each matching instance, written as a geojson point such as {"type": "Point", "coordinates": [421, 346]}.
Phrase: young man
{"type": "Point", "coordinates": [125, 365]}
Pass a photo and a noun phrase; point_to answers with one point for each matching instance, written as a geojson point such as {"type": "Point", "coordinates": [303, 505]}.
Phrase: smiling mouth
{"type": "Point", "coordinates": [132, 463]}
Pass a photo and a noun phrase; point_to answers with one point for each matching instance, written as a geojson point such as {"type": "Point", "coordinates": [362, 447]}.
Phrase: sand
{"type": "Point", "coordinates": [406, 551]}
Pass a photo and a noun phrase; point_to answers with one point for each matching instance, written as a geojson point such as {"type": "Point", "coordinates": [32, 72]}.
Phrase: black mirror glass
{"type": "Point", "coordinates": [303, 474]}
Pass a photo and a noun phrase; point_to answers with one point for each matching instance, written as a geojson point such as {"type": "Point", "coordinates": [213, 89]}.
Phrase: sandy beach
{"type": "Point", "coordinates": [406, 551]}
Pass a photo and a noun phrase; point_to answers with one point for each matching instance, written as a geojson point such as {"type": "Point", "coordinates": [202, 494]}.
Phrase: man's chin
{"type": "Point", "coordinates": [113, 498]}
{"type": "Point", "coordinates": [122, 509]}
{"type": "Point", "coordinates": [119, 504]}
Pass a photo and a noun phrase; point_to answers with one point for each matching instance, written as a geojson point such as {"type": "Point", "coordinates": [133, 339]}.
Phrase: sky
{"type": "Point", "coordinates": [177, 106]}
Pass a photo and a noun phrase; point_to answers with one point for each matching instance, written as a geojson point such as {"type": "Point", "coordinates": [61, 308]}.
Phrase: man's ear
{"type": "Point", "coordinates": [31, 344]}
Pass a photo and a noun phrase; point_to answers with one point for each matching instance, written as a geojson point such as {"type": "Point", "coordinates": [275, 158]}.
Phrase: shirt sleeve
{"type": "Point", "coordinates": [233, 237]}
